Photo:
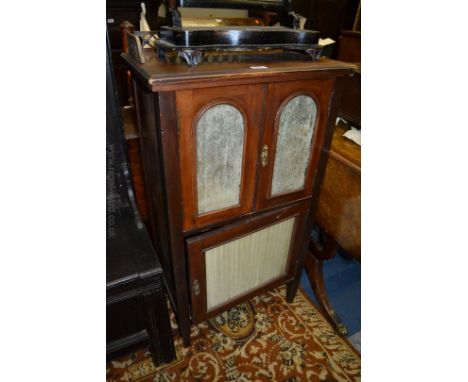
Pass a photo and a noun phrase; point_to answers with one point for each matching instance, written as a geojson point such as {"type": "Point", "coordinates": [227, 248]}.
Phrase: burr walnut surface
{"type": "Point", "coordinates": [339, 209]}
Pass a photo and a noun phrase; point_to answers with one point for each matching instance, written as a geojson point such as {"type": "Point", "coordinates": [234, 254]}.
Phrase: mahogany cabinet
{"type": "Point", "coordinates": [233, 160]}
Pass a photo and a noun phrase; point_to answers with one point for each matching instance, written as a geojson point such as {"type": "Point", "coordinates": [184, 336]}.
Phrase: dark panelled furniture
{"type": "Point", "coordinates": [137, 312]}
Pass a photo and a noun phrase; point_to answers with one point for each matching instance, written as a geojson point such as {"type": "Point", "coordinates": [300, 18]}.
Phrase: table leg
{"type": "Point", "coordinates": [314, 268]}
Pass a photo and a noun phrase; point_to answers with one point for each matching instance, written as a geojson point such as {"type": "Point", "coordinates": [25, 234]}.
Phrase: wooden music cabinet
{"type": "Point", "coordinates": [233, 159]}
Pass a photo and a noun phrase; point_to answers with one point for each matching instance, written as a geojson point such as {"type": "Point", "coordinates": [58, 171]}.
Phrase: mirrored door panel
{"type": "Point", "coordinates": [219, 132]}
{"type": "Point", "coordinates": [219, 146]}
{"type": "Point", "coordinates": [296, 125]}
{"type": "Point", "coordinates": [295, 121]}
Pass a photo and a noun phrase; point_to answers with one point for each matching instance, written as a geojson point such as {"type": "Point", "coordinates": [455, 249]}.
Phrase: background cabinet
{"type": "Point", "coordinates": [233, 159]}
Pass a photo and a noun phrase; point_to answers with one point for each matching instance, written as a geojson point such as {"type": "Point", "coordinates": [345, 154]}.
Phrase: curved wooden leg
{"type": "Point", "coordinates": [314, 268]}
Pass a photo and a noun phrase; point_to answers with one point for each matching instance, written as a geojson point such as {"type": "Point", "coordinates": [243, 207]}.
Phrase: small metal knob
{"type": "Point", "coordinates": [264, 156]}
{"type": "Point", "coordinates": [196, 287]}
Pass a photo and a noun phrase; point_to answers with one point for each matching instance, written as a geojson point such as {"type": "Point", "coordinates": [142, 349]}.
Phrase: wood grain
{"type": "Point", "coordinates": [339, 210]}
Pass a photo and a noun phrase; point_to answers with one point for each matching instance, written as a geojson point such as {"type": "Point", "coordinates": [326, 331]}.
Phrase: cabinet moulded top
{"type": "Point", "coordinates": [162, 76]}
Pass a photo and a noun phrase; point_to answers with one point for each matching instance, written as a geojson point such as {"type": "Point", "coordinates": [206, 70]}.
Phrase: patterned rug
{"type": "Point", "coordinates": [265, 339]}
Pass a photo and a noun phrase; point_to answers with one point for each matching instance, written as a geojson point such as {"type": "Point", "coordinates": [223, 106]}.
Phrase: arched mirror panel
{"type": "Point", "coordinates": [219, 148]}
{"type": "Point", "coordinates": [294, 138]}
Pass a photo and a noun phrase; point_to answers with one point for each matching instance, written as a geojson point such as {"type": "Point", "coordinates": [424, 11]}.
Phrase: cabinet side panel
{"type": "Point", "coordinates": [168, 146]}
{"type": "Point", "coordinates": [236, 267]}
{"type": "Point", "coordinates": [151, 157]}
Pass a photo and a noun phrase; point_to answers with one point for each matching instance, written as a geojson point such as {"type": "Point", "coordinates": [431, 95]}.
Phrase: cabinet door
{"type": "Point", "coordinates": [233, 263]}
{"type": "Point", "coordinates": [295, 124]}
{"type": "Point", "coordinates": [219, 132]}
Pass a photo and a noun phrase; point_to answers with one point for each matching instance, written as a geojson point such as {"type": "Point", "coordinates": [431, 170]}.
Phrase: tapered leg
{"type": "Point", "coordinates": [291, 289]}
{"type": "Point", "coordinates": [314, 268]}
{"type": "Point", "coordinates": [184, 330]}
{"type": "Point", "coordinates": [158, 327]}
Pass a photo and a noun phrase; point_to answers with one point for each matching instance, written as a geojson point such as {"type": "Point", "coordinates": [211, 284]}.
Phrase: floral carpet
{"type": "Point", "coordinates": [265, 339]}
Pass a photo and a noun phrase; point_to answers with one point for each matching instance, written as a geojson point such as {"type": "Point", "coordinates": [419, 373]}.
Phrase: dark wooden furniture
{"type": "Point", "coordinates": [134, 158]}
{"type": "Point", "coordinates": [338, 217]}
{"type": "Point", "coordinates": [350, 46]}
{"type": "Point", "coordinates": [136, 304]}
{"type": "Point", "coordinates": [233, 160]}
{"type": "Point", "coordinates": [117, 12]}
{"type": "Point", "coordinates": [283, 9]}
{"type": "Point", "coordinates": [350, 103]}
{"type": "Point", "coordinates": [196, 44]}
{"type": "Point", "coordinates": [330, 17]}
{"type": "Point", "coordinates": [131, 133]}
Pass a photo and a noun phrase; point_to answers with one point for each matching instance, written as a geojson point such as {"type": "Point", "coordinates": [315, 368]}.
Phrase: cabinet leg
{"type": "Point", "coordinates": [291, 289]}
{"type": "Point", "coordinates": [158, 327]}
{"type": "Point", "coordinates": [314, 268]}
{"type": "Point", "coordinates": [184, 330]}
{"type": "Point", "coordinates": [183, 320]}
